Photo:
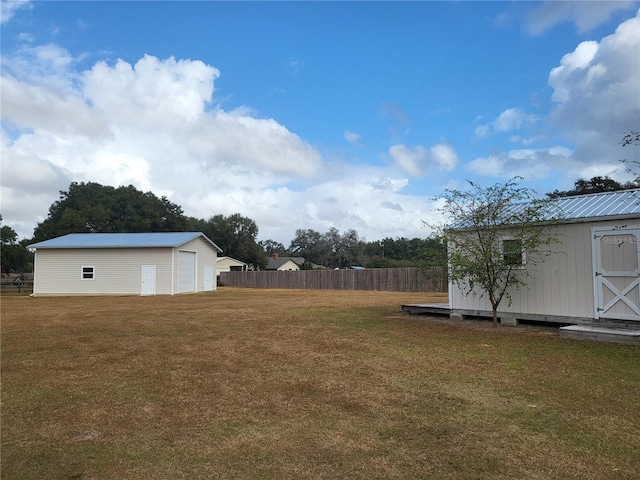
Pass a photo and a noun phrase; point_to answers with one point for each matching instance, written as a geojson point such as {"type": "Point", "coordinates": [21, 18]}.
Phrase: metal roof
{"type": "Point", "coordinates": [591, 207]}
{"type": "Point", "coordinates": [597, 205]}
{"type": "Point", "coordinates": [122, 240]}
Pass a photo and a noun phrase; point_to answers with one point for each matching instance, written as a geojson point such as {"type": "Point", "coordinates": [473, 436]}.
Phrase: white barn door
{"type": "Point", "coordinates": [186, 272]}
{"type": "Point", "coordinates": [616, 266]}
{"type": "Point", "coordinates": [148, 280]}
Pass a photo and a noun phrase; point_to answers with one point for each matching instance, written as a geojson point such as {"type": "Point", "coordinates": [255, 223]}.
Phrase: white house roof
{"type": "Point", "coordinates": [122, 240]}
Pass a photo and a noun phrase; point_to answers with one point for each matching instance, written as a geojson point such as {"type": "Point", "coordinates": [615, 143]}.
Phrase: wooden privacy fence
{"type": "Point", "coordinates": [432, 279]}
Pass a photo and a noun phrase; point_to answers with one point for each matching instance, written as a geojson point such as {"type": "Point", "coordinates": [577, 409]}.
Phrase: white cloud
{"type": "Point", "coordinates": [9, 8]}
{"type": "Point", "coordinates": [418, 160]}
{"type": "Point", "coordinates": [351, 137]}
{"type": "Point", "coordinates": [511, 119]}
{"type": "Point", "coordinates": [585, 15]}
{"type": "Point", "coordinates": [444, 156]}
{"type": "Point", "coordinates": [45, 108]}
{"type": "Point", "coordinates": [49, 64]}
{"type": "Point", "coordinates": [155, 124]}
{"type": "Point", "coordinates": [371, 202]}
{"type": "Point", "coordinates": [152, 93]}
{"type": "Point", "coordinates": [530, 164]}
{"type": "Point", "coordinates": [412, 160]}
{"type": "Point", "coordinates": [150, 124]}
{"type": "Point", "coordinates": [26, 37]}
{"type": "Point", "coordinates": [597, 95]}
{"type": "Point", "coordinates": [561, 77]}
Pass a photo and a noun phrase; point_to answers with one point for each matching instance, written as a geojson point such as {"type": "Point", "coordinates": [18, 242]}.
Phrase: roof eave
{"type": "Point", "coordinates": [626, 216]}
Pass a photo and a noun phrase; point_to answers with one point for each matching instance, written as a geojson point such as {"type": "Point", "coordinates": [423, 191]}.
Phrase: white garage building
{"type": "Point", "coordinates": [165, 263]}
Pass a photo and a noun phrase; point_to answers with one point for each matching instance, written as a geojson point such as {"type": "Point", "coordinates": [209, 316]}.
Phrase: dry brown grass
{"type": "Point", "coordinates": [278, 384]}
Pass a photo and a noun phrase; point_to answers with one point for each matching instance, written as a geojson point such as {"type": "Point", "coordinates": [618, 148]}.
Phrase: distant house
{"type": "Point", "coordinates": [125, 264]}
{"type": "Point", "coordinates": [228, 264]}
{"type": "Point", "coordinates": [594, 274]}
{"type": "Point", "coordinates": [276, 262]}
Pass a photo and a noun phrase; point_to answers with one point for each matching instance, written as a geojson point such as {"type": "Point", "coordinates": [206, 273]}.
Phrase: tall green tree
{"type": "Point", "coordinates": [311, 245]}
{"type": "Point", "coordinates": [14, 256]}
{"type": "Point", "coordinates": [331, 249]}
{"type": "Point", "coordinates": [348, 250]}
{"type": "Point", "coordinates": [432, 252]}
{"type": "Point", "coordinates": [405, 252]}
{"type": "Point", "coordinates": [593, 185]}
{"type": "Point", "coordinates": [236, 235]}
{"type": "Point", "coordinates": [495, 235]}
{"type": "Point", "coordinates": [91, 207]}
{"type": "Point", "coordinates": [272, 247]}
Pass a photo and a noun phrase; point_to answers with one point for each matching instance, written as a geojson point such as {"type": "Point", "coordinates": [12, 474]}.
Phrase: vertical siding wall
{"type": "Point", "coordinates": [561, 285]}
{"type": "Point", "coordinates": [433, 279]}
{"type": "Point", "coordinates": [118, 271]}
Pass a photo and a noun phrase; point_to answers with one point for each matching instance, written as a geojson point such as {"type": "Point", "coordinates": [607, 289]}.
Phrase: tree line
{"type": "Point", "coordinates": [92, 207]}
{"type": "Point", "coordinates": [335, 250]}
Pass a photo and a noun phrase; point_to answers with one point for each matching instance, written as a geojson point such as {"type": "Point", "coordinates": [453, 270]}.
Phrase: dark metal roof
{"type": "Point", "coordinates": [122, 240]}
{"type": "Point", "coordinates": [276, 263]}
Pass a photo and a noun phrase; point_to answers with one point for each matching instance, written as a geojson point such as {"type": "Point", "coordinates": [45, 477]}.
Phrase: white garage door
{"type": "Point", "coordinates": [186, 272]}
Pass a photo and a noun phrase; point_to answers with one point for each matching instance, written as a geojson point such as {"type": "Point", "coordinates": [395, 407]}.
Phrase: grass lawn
{"type": "Point", "coordinates": [288, 384]}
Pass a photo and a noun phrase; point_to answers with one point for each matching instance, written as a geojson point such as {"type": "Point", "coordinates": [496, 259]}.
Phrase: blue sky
{"type": "Point", "coordinates": [312, 114]}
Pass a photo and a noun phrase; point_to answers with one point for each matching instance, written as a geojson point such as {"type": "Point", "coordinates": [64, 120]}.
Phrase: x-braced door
{"type": "Point", "coordinates": [616, 266]}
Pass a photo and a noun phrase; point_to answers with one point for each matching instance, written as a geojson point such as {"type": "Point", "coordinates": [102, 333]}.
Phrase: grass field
{"type": "Point", "coordinates": [275, 384]}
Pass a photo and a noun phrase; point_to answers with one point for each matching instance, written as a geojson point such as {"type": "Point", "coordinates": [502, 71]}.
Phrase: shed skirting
{"type": "Point", "coordinates": [444, 309]}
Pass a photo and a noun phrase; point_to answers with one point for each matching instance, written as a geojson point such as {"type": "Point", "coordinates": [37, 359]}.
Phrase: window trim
{"type": "Point", "coordinates": [523, 253]}
{"type": "Point", "coordinates": [83, 273]}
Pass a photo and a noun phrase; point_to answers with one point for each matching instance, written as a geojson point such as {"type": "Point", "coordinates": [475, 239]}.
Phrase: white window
{"type": "Point", "coordinates": [512, 252]}
{"type": "Point", "coordinates": [88, 273]}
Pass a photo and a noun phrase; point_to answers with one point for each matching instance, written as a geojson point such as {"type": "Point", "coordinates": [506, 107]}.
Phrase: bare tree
{"type": "Point", "coordinates": [632, 138]}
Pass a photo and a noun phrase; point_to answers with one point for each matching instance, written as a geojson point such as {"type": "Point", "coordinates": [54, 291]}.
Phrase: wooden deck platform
{"type": "Point", "coordinates": [627, 332]}
{"type": "Point", "coordinates": [427, 308]}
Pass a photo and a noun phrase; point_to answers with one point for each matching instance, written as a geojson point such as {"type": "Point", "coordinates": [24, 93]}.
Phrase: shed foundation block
{"type": "Point", "coordinates": [456, 316]}
{"type": "Point", "coordinates": [509, 321]}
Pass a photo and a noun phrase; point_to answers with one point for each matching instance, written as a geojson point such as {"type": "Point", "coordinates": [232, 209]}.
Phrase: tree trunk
{"type": "Point", "coordinates": [495, 316]}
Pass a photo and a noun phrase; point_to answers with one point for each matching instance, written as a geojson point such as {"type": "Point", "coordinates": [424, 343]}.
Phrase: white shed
{"type": "Point", "coordinates": [164, 263]}
{"type": "Point", "coordinates": [593, 274]}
